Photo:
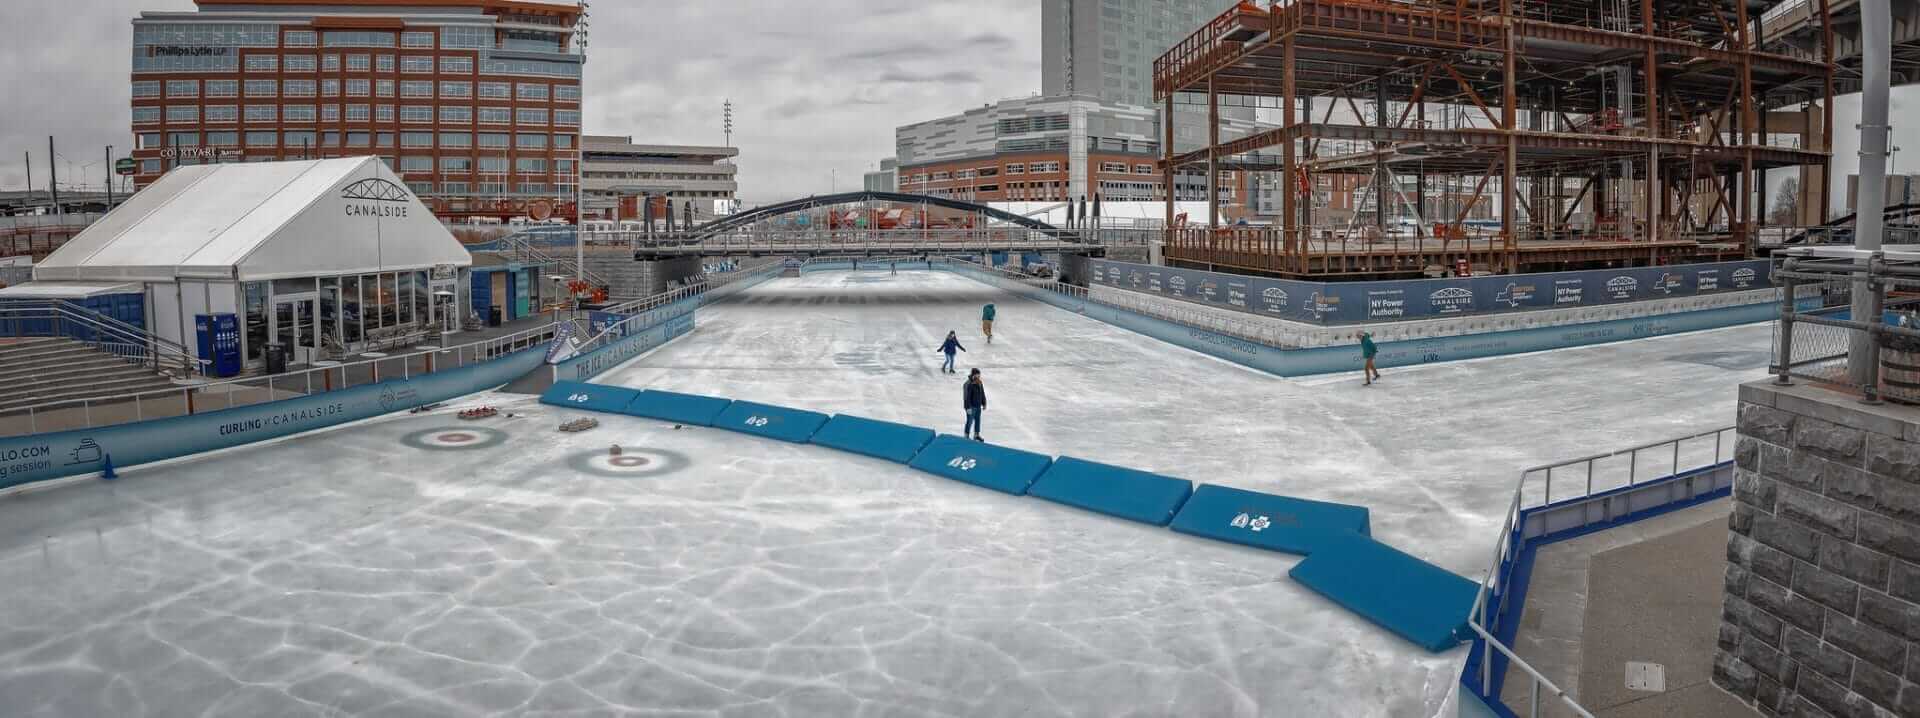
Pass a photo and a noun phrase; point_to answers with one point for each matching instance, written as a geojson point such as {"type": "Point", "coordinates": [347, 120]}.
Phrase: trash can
{"type": "Point", "coordinates": [276, 359]}
{"type": "Point", "coordinates": [493, 315]}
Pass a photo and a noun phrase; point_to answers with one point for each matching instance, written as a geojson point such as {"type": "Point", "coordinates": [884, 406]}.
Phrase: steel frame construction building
{"type": "Point", "coordinates": [1605, 132]}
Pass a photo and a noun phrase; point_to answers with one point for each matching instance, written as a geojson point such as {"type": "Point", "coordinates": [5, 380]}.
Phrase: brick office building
{"type": "Point", "coordinates": [475, 103]}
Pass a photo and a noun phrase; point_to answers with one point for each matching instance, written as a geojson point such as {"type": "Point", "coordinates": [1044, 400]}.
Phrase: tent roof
{"type": "Point", "coordinates": [257, 221]}
{"type": "Point", "coordinates": [67, 290]}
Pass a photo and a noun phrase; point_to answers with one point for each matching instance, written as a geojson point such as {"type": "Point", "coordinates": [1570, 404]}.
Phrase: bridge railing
{"type": "Point", "coordinates": [860, 241]}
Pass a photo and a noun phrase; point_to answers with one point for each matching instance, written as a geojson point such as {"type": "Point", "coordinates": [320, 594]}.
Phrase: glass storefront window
{"type": "Point", "coordinates": [350, 299]}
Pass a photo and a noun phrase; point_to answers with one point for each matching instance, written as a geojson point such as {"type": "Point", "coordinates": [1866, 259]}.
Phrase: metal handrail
{"type": "Point", "coordinates": [1489, 602]}
{"type": "Point", "coordinates": [480, 350]}
{"type": "Point", "coordinates": [518, 242]}
{"type": "Point", "coordinates": [63, 311]}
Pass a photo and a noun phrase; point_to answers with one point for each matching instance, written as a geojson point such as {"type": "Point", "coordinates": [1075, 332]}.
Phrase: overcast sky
{"type": "Point", "coordinates": [817, 86]}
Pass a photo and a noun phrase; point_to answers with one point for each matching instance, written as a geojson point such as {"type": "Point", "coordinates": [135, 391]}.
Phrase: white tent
{"type": "Point", "coordinates": [260, 221]}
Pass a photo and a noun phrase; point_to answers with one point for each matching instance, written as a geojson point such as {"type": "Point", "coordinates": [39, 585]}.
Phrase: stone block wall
{"type": "Point", "coordinates": [629, 278]}
{"type": "Point", "coordinates": [1822, 604]}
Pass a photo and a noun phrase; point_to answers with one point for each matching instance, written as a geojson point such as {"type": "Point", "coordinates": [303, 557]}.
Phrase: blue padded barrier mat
{"type": "Point", "coordinates": [994, 467]}
{"type": "Point", "coordinates": [773, 422]}
{"type": "Point", "coordinates": [871, 437]}
{"type": "Point", "coordinates": [1275, 523]}
{"type": "Point", "coordinates": [592, 397]}
{"type": "Point", "coordinates": [676, 407]}
{"type": "Point", "coordinates": [1416, 600]}
{"type": "Point", "coordinates": [1112, 490]}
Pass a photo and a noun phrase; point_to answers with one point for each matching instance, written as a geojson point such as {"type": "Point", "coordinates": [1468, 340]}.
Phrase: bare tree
{"type": "Point", "coordinates": [1786, 204]}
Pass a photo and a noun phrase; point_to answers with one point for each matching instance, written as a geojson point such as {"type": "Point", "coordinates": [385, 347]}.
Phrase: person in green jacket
{"type": "Point", "coordinates": [986, 322]}
{"type": "Point", "coordinates": [1367, 350]}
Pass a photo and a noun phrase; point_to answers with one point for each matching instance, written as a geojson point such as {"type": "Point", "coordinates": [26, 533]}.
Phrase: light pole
{"type": "Point", "coordinates": [580, 158]}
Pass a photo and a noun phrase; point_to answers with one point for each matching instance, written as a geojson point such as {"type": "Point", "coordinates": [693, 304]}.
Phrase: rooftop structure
{"type": "Point", "coordinates": [1603, 132]}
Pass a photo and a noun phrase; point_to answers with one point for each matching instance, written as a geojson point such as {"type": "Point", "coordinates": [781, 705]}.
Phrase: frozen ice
{"type": "Point", "coordinates": [346, 572]}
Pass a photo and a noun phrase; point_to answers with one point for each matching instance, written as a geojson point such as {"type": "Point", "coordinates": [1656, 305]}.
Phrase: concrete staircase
{"type": "Point", "coordinates": [41, 370]}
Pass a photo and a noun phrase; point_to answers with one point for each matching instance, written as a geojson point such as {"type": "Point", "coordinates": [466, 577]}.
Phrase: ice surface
{"type": "Point", "coordinates": [726, 575]}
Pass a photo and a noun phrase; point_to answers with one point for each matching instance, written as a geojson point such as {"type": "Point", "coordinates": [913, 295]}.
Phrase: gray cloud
{"type": "Point", "coordinates": [817, 87]}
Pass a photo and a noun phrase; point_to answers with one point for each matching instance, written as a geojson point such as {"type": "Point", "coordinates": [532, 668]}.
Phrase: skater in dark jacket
{"type": "Point", "coordinates": [1367, 350]}
{"type": "Point", "coordinates": [974, 400]}
{"type": "Point", "coordinates": [951, 345]}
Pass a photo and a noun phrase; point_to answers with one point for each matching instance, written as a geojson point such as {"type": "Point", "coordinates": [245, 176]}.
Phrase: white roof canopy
{"type": "Point", "coordinates": [259, 221]}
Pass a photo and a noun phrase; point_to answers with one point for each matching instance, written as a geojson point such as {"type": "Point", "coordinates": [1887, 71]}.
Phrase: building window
{"type": "Point", "coordinates": [416, 38]}
{"type": "Point", "coordinates": [149, 167]}
{"type": "Point", "coordinates": [564, 167]}
{"type": "Point", "coordinates": [301, 38]}
{"type": "Point", "coordinates": [263, 63]}
{"type": "Point", "coordinates": [564, 142]}
{"type": "Point", "coordinates": [146, 88]}
{"type": "Point", "coordinates": [329, 63]}
{"type": "Point", "coordinates": [420, 187]}
{"type": "Point", "coordinates": [456, 139]}
{"type": "Point", "coordinates": [359, 139]}
{"type": "Point", "coordinates": [416, 139]}
{"type": "Point", "coordinates": [416, 163]}
{"type": "Point", "coordinates": [1114, 167]}
{"type": "Point", "coordinates": [416, 114]}
{"type": "Point", "coordinates": [359, 38]}
{"type": "Point", "coordinates": [533, 188]}
{"type": "Point", "coordinates": [224, 138]}
{"type": "Point", "coordinates": [297, 113]}
{"type": "Point", "coordinates": [223, 88]}
{"type": "Point", "coordinates": [262, 88]}
{"type": "Point", "coordinates": [530, 165]}
{"type": "Point", "coordinates": [223, 113]}
{"type": "Point", "coordinates": [300, 63]}
{"type": "Point", "coordinates": [568, 118]}
{"type": "Point", "coordinates": [416, 64]}
{"type": "Point", "coordinates": [359, 63]}
{"type": "Point", "coordinates": [453, 187]}
{"type": "Point", "coordinates": [532, 141]}
{"type": "Point", "coordinates": [384, 139]}
{"type": "Point", "coordinates": [183, 139]}
{"type": "Point", "coordinates": [532, 91]}
{"type": "Point", "coordinates": [359, 113]}
{"type": "Point", "coordinates": [262, 138]}
{"type": "Point", "coordinates": [299, 88]}
{"type": "Point", "coordinates": [303, 139]}
{"type": "Point", "coordinates": [456, 90]}
{"type": "Point", "coordinates": [146, 140]}
{"type": "Point", "coordinates": [566, 93]}
{"type": "Point", "coordinates": [383, 88]}
{"type": "Point", "coordinates": [329, 88]}
{"type": "Point", "coordinates": [493, 140]}
{"type": "Point", "coordinates": [416, 88]}
{"type": "Point", "coordinates": [183, 113]}
{"type": "Point", "coordinates": [383, 113]}
{"type": "Point", "coordinates": [496, 90]}
{"type": "Point", "coordinates": [383, 63]}
{"type": "Point", "coordinates": [465, 36]}
{"type": "Point", "coordinates": [1016, 168]}
{"type": "Point", "coordinates": [146, 115]}
{"type": "Point", "coordinates": [359, 88]}
{"type": "Point", "coordinates": [329, 113]}
{"type": "Point", "coordinates": [456, 65]}
{"type": "Point", "coordinates": [530, 116]}
{"type": "Point", "coordinates": [456, 114]}
{"type": "Point", "coordinates": [461, 165]}
{"type": "Point", "coordinates": [495, 116]}
{"type": "Point", "coordinates": [263, 113]}
{"type": "Point", "coordinates": [183, 88]}
{"type": "Point", "coordinates": [495, 165]}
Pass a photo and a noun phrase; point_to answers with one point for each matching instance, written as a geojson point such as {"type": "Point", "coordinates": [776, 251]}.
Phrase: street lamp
{"type": "Point", "coordinates": [580, 156]}
{"type": "Point", "coordinates": [559, 283]}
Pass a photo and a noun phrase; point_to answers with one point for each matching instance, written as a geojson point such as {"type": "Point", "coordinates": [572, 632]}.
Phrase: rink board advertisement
{"type": "Point", "coordinates": [636, 342]}
{"type": "Point", "coordinates": [39, 457]}
{"type": "Point", "coordinates": [1325, 360]}
{"type": "Point", "coordinates": [1329, 303]}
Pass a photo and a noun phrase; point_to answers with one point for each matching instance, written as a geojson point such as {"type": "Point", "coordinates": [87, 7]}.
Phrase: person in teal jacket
{"type": "Point", "coordinates": [986, 322]}
{"type": "Point", "coordinates": [1367, 350]}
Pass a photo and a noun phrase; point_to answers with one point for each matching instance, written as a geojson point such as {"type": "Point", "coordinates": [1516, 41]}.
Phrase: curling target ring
{"type": "Point", "coordinates": [631, 463]}
{"type": "Point", "coordinates": [450, 438]}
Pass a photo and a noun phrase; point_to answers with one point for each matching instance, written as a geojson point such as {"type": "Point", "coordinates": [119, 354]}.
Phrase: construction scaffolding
{"type": "Point", "coordinates": [1501, 135]}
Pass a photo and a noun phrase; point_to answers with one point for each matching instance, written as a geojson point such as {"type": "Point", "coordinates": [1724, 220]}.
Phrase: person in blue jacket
{"type": "Point", "coordinates": [986, 322]}
{"type": "Point", "coordinates": [1367, 350]}
{"type": "Point", "coordinates": [951, 345]}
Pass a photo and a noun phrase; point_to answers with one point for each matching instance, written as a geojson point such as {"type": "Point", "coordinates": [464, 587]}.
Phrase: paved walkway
{"type": "Point", "coordinates": [1648, 591]}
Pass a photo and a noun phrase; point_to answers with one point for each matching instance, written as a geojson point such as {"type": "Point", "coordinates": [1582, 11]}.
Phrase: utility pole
{"type": "Point", "coordinates": [726, 113]}
{"type": "Point", "coordinates": [109, 178]}
{"type": "Point", "coordinates": [580, 163]}
{"type": "Point", "coordinates": [53, 178]}
{"type": "Point", "coordinates": [29, 156]}
{"type": "Point", "coordinates": [1876, 55]}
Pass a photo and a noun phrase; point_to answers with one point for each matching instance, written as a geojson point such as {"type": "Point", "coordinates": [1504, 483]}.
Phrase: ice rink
{"type": "Point", "coordinates": [421, 565]}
